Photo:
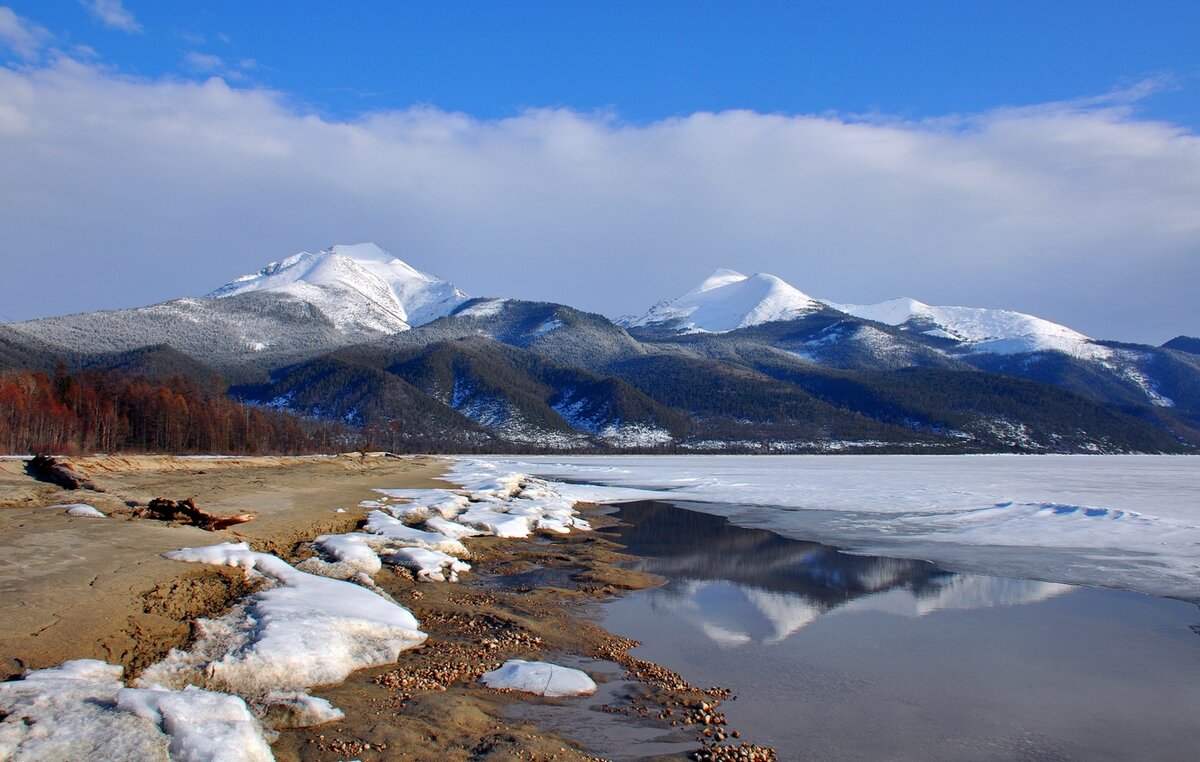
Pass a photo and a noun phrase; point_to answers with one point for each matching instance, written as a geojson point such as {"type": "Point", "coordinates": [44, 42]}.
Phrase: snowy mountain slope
{"type": "Point", "coordinates": [248, 333]}
{"type": "Point", "coordinates": [358, 287]}
{"type": "Point", "coordinates": [979, 329]}
{"type": "Point", "coordinates": [728, 300]}
{"type": "Point", "coordinates": [555, 331]}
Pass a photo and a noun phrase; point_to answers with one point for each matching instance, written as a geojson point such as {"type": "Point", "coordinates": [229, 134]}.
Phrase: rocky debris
{"type": "Point", "coordinates": [344, 748]}
{"type": "Point", "coordinates": [48, 468]}
{"type": "Point", "coordinates": [444, 663]}
{"type": "Point", "coordinates": [185, 511]}
{"type": "Point", "coordinates": [744, 752]}
{"type": "Point", "coordinates": [680, 705]}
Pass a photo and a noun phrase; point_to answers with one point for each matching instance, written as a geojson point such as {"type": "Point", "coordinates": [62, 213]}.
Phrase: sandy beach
{"type": "Point", "coordinates": [86, 588]}
{"type": "Point", "coordinates": [80, 587]}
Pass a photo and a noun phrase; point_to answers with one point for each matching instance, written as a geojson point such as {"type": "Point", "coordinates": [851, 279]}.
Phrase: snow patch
{"type": "Point", "coordinates": [70, 712]}
{"type": "Point", "coordinates": [82, 510]}
{"type": "Point", "coordinates": [541, 678]}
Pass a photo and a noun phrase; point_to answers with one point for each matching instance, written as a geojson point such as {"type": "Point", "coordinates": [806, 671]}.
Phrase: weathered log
{"type": "Point", "coordinates": [186, 511]}
{"type": "Point", "coordinates": [48, 468]}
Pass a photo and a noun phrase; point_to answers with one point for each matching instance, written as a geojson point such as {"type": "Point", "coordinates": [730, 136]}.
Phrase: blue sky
{"type": "Point", "coordinates": [1042, 157]}
{"type": "Point", "coordinates": [650, 60]}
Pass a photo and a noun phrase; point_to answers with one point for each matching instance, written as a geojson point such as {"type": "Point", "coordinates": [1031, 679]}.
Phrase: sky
{"type": "Point", "coordinates": [608, 155]}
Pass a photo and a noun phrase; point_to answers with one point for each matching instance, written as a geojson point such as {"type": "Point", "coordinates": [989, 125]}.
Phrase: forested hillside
{"type": "Point", "coordinates": [113, 411]}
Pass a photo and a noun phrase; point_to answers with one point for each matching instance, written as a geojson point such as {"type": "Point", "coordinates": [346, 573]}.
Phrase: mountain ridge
{"type": "Point", "coordinates": [739, 363]}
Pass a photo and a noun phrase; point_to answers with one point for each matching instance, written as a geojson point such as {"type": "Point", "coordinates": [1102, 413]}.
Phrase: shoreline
{"type": "Point", "coordinates": [427, 702]}
{"type": "Point", "coordinates": [100, 588]}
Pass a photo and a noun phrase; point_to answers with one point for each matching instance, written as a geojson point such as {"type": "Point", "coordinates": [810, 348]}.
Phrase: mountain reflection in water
{"type": "Point", "coordinates": [741, 585]}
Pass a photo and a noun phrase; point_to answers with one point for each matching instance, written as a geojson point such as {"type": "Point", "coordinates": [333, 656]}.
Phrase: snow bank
{"type": "Point", "coordinates": [541, 678]}
{"type": "Point", "coordinates": [490, 502]}
{"type": "Point", "coordinates": [356, 550]}
{"type": "Point", "coordinates": [306, 631]}
{"type": "Point", "coordinates": [393, 529]}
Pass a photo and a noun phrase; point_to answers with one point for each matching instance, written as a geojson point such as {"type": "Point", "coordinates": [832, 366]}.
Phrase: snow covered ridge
{"type": "Point", "coordinates": [982, 330]}
{"type": "Point", "coordinates": [358, 286]}
{"type": "Point", "coordinates": [728, 300]}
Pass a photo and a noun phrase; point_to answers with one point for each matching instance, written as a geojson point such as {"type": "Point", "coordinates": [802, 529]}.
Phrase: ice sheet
{"type": "Point", "coordinates": [1130, 522]}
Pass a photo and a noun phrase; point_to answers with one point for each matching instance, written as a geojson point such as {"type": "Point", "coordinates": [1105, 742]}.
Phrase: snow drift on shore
{"type": "Point", "coordinates": [307, 630]}
{"type": "Point", "coordinates": [81, 710]}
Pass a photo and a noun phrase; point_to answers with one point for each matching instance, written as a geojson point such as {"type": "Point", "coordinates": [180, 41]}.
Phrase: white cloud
{"type": "Point", "coordinates": [203, 62]}
{"type": "Point", "coordinates": [207, 63]}
{"type": "Point", "coordinates": [142, 190]}
{"type": "Point", "coordinates": [112, 14]}
{"type": "Point", "coordinates": [20, 35]}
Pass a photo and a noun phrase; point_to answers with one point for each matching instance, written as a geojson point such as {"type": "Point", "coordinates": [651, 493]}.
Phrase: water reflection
{"type": "Point", "coordinates": [741, 586]}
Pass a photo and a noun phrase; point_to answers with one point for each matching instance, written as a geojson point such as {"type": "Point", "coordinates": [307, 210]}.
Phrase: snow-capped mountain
{"type": "Point", "coordinates": [728, 300]}
{"type": "Point", "coordinates": [358, 287]}
{"type": "Point", "coordinates": [979, 329]}
{"type": "Point", "coordinates": [742, 362]}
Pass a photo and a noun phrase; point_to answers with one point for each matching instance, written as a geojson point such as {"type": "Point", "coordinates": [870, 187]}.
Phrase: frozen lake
{"type": "Point", "coordinates": [840, 656]}
{"type": "Point", "coordinates": [1124, 522]}
{"type": "Point", "coordinates": [918, 607]}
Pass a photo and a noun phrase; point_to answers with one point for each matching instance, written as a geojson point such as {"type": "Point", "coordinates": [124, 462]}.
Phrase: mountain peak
{"type": "Point", "coordinates": [358, 286]}
{"type": "Point", "coordinates": [720, 277]}
{"type": "Point", "coordinates": [371, 252]}
{"type": "Point", "coordinates": [728, 300]}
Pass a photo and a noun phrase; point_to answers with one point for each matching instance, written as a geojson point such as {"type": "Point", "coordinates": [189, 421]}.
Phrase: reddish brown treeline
{"type": "Point", "coordinates": [111, 411]}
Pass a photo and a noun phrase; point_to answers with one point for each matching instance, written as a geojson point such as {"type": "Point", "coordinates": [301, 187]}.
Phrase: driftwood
{"type": "Point", "coordinates": [186, 511]}
{"type": "Point", "coordinates": [48, 468]}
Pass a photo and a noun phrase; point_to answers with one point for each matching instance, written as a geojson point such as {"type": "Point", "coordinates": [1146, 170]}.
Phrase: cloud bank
{"type": "Point", "coordinates": [120, 191]}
